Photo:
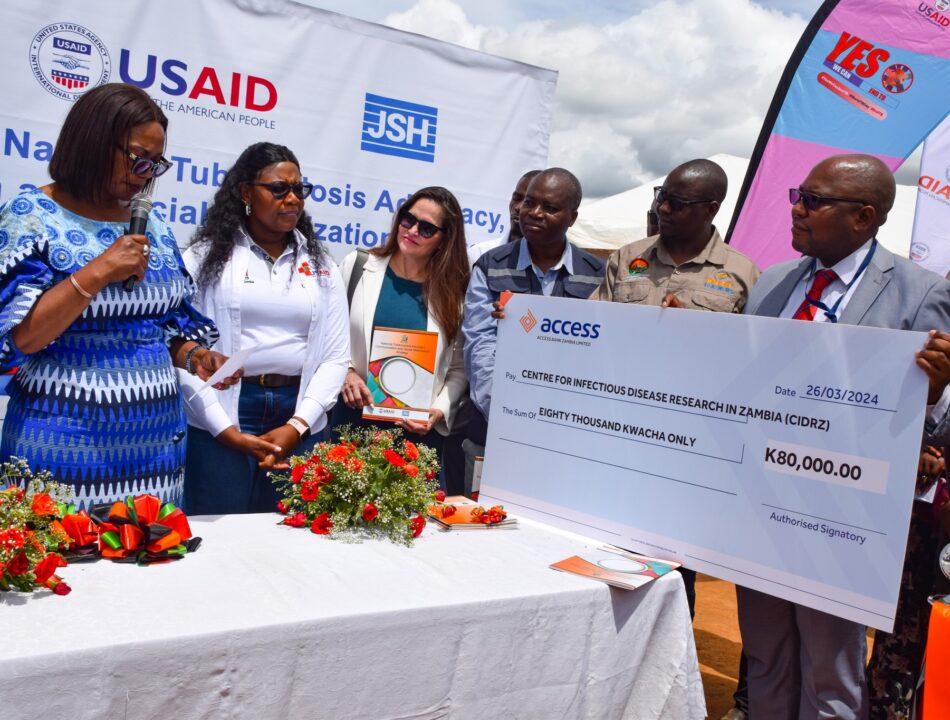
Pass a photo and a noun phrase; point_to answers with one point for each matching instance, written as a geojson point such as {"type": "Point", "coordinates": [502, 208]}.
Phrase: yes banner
{"type": "Point", "coordinates": [868, 76]}
{"type": "Point", "coordinates": [372, 113]}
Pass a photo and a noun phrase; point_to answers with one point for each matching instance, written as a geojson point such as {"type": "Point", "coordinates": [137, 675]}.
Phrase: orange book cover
{"type": "Point", "coordinates": [400, 374]}
{"type": "Point", "coordinates": [462, 517]}
{"type": "Point", "coordinates": [619, 569]}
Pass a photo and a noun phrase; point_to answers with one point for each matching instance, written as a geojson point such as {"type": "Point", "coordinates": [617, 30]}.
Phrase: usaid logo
{"type": "Point", "coordinates": [935, 12]}
{"type": "Point", "coordinates": [400, 128]}
{"type": "Point", "coordinates": [67, 59]}
{"type": "Point", "coordinates": [919, 251]}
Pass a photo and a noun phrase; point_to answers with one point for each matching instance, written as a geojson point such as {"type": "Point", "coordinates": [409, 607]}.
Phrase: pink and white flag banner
{"type": "Point", "coordinates": [868, 76]}
{"type": "Point", "coordinates": [930, 245]}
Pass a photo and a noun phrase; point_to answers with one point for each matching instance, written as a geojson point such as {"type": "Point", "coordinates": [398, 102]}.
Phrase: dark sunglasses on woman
{"type": "Point", "coordinates": [426, 229]}
{"type": "Point", "coordinates": [280, 188]}
{"type": "Point", "coordinates": [143, 166]}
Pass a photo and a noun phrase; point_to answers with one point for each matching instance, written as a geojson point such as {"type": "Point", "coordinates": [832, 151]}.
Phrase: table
{"type": "Point", "coordinates": [266, 621]}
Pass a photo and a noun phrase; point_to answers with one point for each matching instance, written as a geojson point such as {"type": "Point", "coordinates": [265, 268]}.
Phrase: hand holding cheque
{"type": "Point", "coordinates": [768, 452]}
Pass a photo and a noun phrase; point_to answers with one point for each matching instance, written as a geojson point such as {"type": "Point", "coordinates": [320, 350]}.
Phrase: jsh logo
{"type": "Point", "coordinates": [400, 128]}
{"type": "Point", "coordinates": [68, 59]}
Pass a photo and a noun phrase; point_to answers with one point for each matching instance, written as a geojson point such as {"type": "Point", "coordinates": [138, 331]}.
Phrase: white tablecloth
{"type": "Point", "coordinates": [268, 622]}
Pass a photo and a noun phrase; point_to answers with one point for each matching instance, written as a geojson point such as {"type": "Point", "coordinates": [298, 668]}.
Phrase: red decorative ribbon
{"type": "Point", "coordinates": [142, 530]}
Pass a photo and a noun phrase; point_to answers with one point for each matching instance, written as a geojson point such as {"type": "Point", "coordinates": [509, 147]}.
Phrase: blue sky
{"type": "Point", "coordinates": [508, 13]}
{"type": "Point", "coordinates": [717, 64]}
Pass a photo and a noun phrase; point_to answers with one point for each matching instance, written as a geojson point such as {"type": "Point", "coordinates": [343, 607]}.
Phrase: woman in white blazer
{"type": "Point", "coordinates": [270, 286]}
{"type": "Point", "coordinates": [415, 281]}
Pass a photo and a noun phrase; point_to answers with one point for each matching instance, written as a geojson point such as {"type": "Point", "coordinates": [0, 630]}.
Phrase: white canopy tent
{"type": "Point", "coordinates": [619, 219]}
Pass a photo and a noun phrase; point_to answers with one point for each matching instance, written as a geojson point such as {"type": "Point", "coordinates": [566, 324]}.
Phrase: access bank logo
{"type": "Point", "coordinates": [68, 59]}
{"type": "Point", "coordinates": [400, 128]}
{"type": "Point", "coordinates": [528, 321]}
{"type": "Point", "coordinates": [573, 332]}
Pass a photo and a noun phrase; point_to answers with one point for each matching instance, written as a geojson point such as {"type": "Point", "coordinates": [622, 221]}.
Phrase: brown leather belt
{"type": "Point", "coordinates": [272, 380]}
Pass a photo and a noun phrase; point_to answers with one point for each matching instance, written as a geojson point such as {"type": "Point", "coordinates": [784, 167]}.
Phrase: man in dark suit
{"type": "Point", "coordinates": [803, 662]}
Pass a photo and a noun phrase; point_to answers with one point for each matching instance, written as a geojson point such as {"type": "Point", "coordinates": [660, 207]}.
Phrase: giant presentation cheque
{"type": "Point", "coordinates": [777, 454]}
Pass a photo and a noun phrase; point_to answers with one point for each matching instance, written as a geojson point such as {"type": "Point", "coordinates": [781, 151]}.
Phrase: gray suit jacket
{"type": "Point", "coordinates": [893, 293]}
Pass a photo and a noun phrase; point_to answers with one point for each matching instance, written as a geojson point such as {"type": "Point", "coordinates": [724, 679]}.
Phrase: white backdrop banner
{"type": "Point", "coordinates": [930, 244]}
{"type": "Point", "coordinates": [372, 113]}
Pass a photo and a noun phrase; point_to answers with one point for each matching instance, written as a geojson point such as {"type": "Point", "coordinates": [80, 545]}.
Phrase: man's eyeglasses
{"type": "Point", "coordinates": [280, 188]}
{"type": "Point", "coordinates": [810, 201]}
{"type": "Point", "coordinates": [426, 229]}
{"type": "Point", "coordinates": [677, 203]}
{"type": "Point", "coordinates": [143, 166]}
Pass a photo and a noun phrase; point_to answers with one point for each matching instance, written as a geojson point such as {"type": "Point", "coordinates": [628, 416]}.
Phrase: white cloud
{"type": "Point", "coordinates": [676, 80]}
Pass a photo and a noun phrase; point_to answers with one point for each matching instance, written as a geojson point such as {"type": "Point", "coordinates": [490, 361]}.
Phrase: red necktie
{"type": "Point", "coordinates": [807, 311]}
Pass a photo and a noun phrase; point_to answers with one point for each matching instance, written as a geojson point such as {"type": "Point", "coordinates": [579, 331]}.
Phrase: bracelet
{"type": "Point", "coordinates": [188, 358]}
{"type": "Point", "coordinates": [75, 284]}
{"type": "Point", "coordinates": [300, 426]}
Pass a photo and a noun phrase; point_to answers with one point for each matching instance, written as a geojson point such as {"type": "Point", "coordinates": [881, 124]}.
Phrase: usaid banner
{"type": "Point", "coordinates": [372, 113]}
{"type": "Point", "coordinates": [867, 76]}
{"type": "Point", "coordinates": [930, 245]}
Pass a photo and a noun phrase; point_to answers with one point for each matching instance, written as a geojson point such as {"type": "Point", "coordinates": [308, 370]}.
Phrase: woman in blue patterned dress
{"type": "Point", "coordinates": [95, 400]}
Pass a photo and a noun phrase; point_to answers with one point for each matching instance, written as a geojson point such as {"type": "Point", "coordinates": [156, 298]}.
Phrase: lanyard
{"type": "Point", "coordinates": [832, 312]}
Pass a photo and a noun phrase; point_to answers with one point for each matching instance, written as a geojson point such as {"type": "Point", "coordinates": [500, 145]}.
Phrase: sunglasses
{"type": "Point", "coordinates": [143, 166]}
{"type": "Point", "coordinates": [280, 188]}
{"type": "Point", "coordinates": [677, 203]}
{"type": "Point", "coordinates": [426, 229]}
{"type": "Point", "coordinates": [811, 201]}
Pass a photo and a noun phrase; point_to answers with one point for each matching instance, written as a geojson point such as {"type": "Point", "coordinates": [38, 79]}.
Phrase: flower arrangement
{"type": "Point", "coordinates": [372, 481]}
{"type": "Point", "coordinates": [470, 513]}
{"type": "Point", "coordinates": [30, 529]}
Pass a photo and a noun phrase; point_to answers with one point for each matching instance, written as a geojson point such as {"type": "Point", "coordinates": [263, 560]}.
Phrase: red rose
{"type": "Point", "coordinates": [440, 495]}
{"type": "Point", "coordinates": [296, 520]}
{"type": "Point", "coordinates": [430, 474]}
{"type": "Point", "coordinates": [322, 475]}
{"type": "Point", "coordinates": [309, 491]}
{"type": "Point", "coordinates": [394, 458]}
{"type": "Point", "coordinates": [19, 564]}
{"type": "Point", "coordinates": [410, 450]}
{"type": "Point", "coordinates": [338, 453]}
{"type": "Point", "coordinates": [282, 509]}
{"type": "Point", "coordinates": [496, 515]}
{"type": "Point", "coordinates": [355, 465]}
{"type": "Point", "coordinates": [43, 505]}
{"type": "Point", "coordinates": [62, 588]}
{"type": "Point", "coordinates": [322, 524]}
{"type": "Point", "coordinates": [448, 511]}
{"type": "Point", "coordinates": [370, 512]}
{"type": "Point", "coordinates": [45, 568]}
{"type": "Point", "coordinates": [296, 475]}
{"type": "Point", "coordinates": [417, 523]}
{"type": "Point", "coordinates": [410, 470]}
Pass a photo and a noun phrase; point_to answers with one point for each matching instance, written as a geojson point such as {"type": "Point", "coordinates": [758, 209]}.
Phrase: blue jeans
{"type": "Point", "coordinates": [221, 481]}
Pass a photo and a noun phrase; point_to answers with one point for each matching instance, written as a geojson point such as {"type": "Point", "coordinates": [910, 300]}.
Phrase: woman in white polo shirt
{"type": "Point", "coordinates": [269, 285]}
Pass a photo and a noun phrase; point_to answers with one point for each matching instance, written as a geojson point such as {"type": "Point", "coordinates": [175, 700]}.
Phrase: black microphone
{"type": "Point", "coordinates": [141, 207]}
